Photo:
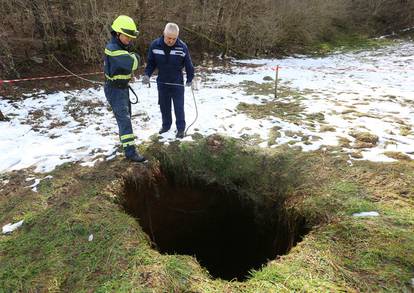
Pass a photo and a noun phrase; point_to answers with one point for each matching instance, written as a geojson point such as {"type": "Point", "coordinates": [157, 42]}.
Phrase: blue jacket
{"type": "Point", "coordinates": [170, 61]}
{"type": "Point", "coordinates": [119, 64]}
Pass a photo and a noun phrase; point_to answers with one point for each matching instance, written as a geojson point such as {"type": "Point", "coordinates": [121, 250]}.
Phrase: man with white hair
{"type": "Point", "coordinates": [170, 55]}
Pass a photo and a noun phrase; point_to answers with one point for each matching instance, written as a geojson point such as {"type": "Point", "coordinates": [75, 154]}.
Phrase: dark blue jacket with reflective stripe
{"type": "Point", "coordinates": [119, 64]}
{"type": "Point", "coordinates": [170, 61]}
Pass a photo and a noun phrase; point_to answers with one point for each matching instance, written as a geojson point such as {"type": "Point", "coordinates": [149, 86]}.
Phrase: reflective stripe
{"type": "Point", "coordinates": [129, 143]}
{"type": "Point", "coordinates": [116, 52]}
{"type": "Point", "coordinates": [135, 65]}
{"type": "Point", "coordinates": [127, 136]}
{"type": "Point", "coordinates": [175, 52]}
{"type": "Point", "coordinates": [158, 51]}
{"type": "Point", "coordinates": [120, 76]}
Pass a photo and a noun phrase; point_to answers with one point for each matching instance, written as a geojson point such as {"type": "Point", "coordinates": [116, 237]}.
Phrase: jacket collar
{"type": "Point", "coordinates": [118, 43]}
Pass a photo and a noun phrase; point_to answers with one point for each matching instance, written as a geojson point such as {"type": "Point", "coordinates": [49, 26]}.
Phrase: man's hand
{"type": "Point", "coordinates": [145, 79]}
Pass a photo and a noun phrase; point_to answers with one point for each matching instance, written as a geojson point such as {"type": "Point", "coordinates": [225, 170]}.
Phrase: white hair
{"type": "Point", "coordinates": [171, 28]}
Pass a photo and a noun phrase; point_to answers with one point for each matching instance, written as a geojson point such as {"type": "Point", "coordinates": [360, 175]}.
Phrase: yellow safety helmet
{"type": "Point", "coordinates": [125, 25]}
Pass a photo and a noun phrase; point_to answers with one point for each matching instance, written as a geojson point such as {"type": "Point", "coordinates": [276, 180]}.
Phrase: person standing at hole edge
{"type": "Point", "coordinates": [170, 55]}
{"type": "Point", "coordinates": [119, 65]}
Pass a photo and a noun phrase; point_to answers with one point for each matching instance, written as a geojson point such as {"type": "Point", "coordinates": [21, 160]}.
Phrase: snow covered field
{"type": "Point", "coordinates": [367, 91]}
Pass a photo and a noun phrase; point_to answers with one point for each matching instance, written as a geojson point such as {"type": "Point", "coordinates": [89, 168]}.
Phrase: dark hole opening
{"type": "Point", "coordinates": [227, 234]}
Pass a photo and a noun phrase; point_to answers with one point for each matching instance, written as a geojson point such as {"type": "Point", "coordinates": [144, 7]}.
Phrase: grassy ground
{"type": "Point", "coordinates": [347, 42]}
{"type": "Point", "coordinates": [290, 109]}
{"type": "Point", "coordinates": [51, 251]}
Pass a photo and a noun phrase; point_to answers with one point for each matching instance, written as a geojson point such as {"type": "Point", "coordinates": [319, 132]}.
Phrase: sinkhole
{"type": "Point", "coordinates": [227, 233]}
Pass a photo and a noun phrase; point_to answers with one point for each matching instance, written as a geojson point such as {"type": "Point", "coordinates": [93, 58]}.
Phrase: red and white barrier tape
{"type": "Point", "coordinates": [273, 68]}
{"type": "Point", "coordinates": [2, 81]}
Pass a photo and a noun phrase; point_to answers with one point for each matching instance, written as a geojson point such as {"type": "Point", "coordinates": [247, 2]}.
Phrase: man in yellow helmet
{"type": "Point", "coordinates": [119, 65]}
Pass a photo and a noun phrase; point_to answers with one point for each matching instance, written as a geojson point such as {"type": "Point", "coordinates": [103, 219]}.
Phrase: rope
{"type": "Point", "coordinates": [74, 74]}
{"type": "Point", "coordinates": [102, 83]}
{"type": "Point", "coordinates": [94, 81]}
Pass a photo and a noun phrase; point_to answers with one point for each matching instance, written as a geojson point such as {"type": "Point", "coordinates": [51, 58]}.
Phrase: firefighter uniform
{"type": "Point", "coordinates": [119, 65]}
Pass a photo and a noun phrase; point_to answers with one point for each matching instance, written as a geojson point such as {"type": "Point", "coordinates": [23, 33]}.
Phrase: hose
{"type": "Point", "coordinates": [130, 88]}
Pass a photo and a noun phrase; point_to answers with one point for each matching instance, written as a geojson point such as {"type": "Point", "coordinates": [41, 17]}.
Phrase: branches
{"type": "Point", "coordinates": [78, 29]}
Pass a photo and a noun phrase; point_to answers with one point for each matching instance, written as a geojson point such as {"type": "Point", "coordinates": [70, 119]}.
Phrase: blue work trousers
{"type": "Point", "coordinates": [118, 98]}
{"type": "Point", "coordinates": [166, 94]}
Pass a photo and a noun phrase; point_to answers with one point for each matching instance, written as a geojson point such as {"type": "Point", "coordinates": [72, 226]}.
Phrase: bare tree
{"type": "Point", "coordinates": [78, 30]}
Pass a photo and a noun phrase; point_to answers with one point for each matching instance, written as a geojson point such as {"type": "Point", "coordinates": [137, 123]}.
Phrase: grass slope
{"type": "Point", "coordinates": [51, 251]}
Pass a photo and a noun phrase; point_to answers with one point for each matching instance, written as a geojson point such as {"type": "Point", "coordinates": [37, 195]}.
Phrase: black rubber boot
{"type": "Point", "coordinates": [180, 134]}
{"type": "Point", "coordinates": [137, 158]}
{"type": "Point", "coordinates": [163, 130]}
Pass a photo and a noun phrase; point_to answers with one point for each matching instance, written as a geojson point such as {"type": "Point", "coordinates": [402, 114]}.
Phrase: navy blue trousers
{"type": "Point", "coordinates": [119, 101]}
{"type": "Point", "coordinates": [166, 94]}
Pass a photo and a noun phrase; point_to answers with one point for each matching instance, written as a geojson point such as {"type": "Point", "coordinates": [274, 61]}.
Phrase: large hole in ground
{"type": "Point", "coordinates": [228, 234]}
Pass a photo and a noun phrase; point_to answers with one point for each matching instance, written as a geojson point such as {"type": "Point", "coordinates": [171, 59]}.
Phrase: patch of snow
{"type": "Point", "coordinates": [366, 214]}
{"type": "Point", "coordinates": [34, 185]}
{"type": "Point", "coordinates": [368, 90]}
{"type": "Point", "coordinates": [8, 228]}
{"type": "Point", "coordinates": [91, 163]}
{"type": "Point", "coordinates": [37, 181]}
{"type": "Point", "coordinates": [111, 157]}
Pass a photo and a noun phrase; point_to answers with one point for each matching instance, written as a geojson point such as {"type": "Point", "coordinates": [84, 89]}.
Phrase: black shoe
{"type": "Point", "coordinates": [137, 158]}
{"type": "Point", "coordinates": [180, 134]}
{"type": "Point", "coordinates": [162, 130]}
